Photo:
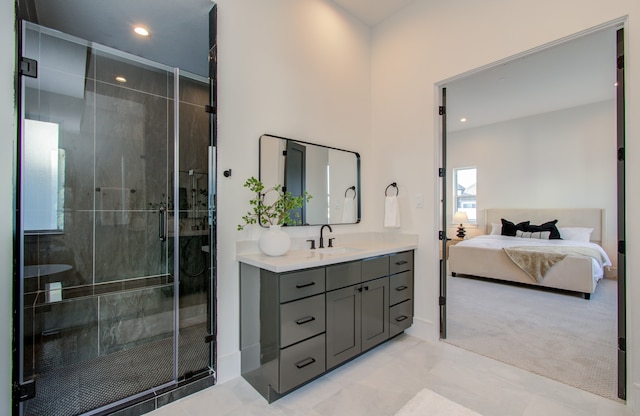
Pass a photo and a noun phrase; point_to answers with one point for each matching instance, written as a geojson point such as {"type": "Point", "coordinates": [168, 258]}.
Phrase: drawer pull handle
{"type": "Point", "coordinates": [401, 288]}
{"type": "Point", "coordinates": [305, 362]}
{"type": "Point", "coordinates": [304, 320]}
{"type": "Point", "coordinates": [305, 285]}
{"type": "Point", "coordinates": [401, 262]}
{"type": "Point", "coordinates": [401, 318]}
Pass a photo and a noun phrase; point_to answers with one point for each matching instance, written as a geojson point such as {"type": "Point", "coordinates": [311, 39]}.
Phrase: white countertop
{"type": "Point", "coordinates": [355, 248]}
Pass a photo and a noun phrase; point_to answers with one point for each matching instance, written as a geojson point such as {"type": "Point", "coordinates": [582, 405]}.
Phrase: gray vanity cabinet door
{"type": "Point", "coordinates": [343, 324]}
{"type": "Point", "coordinates": [375, 312]}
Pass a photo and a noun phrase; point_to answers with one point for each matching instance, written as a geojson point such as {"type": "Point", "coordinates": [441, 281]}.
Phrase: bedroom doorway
{"type": "Point", "coordinates": [530, 86]}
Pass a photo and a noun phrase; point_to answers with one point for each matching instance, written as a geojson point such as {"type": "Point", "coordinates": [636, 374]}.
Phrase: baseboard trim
{"type": "Point", "coordinates": [423, 329]}
{"type": "Point", "coordinates": [228, 367]}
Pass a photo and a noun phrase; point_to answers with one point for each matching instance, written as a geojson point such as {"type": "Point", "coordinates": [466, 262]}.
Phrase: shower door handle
{"type": "Point", "coordinates": [162, 228]}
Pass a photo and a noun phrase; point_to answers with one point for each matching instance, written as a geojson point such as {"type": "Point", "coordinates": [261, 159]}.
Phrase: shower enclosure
{"type": "Point", "coordinates": [115, 216]}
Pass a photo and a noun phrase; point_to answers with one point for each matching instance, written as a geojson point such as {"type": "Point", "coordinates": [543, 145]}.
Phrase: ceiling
{"type": "Point", "coordinates": [573, 73]}
{"type": "Point", "coordinates": [179, 29]}
{"type": "Point", "coordinates": [372, 12]}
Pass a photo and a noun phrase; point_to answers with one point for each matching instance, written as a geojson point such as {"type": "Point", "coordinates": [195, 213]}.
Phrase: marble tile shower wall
{"type": "Point", "coordinates": [118, 141]}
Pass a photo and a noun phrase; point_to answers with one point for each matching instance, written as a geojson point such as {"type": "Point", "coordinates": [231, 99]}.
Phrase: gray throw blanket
{"type": "Point", "coordinates": [536, 261]}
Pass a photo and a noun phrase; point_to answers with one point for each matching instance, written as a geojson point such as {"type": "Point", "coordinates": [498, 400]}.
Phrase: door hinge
{"type": "Point", "coordinates": [25, 390]}
{"type": "Point", "coordinates": [622, 344]}
{"type": "Point", "coordinates": [621, 154]}
{"type": "Point", "coordinates": [209, 338]}
{"type": "Point", "coordinates": [28, 67]}
{"type": "Point", "coordinates": [210, 109]}
{"type": "Point", "coordinates": [442, 301]}
{"type": "Point", "coordinates": [621, 62]}
{"type": "Point", "coordinates": [442, 110]}
{"type": "Point", "coordinates": [440, 235]}
{"type": "Point", "coordinates": [284, 153]}
{"type": "Point", "coordinates": [441, 172]}
{"type": "Point", "coordinates": [621, 247]}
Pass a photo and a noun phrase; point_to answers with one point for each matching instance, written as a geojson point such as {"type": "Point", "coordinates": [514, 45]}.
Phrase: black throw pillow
{"type": "Point", "coordinates": [547, 226]}
{"type": "Point", "coordinates": [509, 228]}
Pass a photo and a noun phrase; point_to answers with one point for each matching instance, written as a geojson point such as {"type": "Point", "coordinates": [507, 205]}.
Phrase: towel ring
{"type": "Point", "coordinates": [394, 185]}
{"type": "Point", "coordinates": [353, 188]}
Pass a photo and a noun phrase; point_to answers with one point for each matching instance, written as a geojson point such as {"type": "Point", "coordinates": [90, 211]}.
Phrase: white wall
{"type": "Point", "coordinates": [429, 42]}
{"type": "Point", "coordinates": [563, 159]}
{"type": "Point", "coordinates": [8, 128]}
{"type": "Point", "coordinates": [297, 69]}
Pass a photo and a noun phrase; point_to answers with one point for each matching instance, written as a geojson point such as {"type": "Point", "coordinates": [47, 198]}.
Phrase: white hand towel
{"type": "Point", "coordinates": [349, 210]}
{"type": "Point", "coordinates": [391, 212]}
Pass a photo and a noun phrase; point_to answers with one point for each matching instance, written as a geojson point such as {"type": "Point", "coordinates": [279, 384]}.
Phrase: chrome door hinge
{"type": "Point", "coordinates": [28, 67]}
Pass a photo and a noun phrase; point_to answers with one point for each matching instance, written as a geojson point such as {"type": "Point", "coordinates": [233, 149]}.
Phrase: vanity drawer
{"type": "Point", "coordinates": [301, 319]}
{"type": "Point", "coordinates": [400, 317]}
{"type": "Point", "coordinates": [401, 262]}
{"type": "Point", "coordinates": [401, 287]}
{"type": "Point", "coordinates": [301, 362]}
{"type": "Point", "coordinates": [375, 267]}
{"type": "Point", "coordinates": [343, 275]}
{"type": "Point", "coordinates": [301, 284]}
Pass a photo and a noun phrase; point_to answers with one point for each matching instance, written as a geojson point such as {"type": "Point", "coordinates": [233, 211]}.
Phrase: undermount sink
{"type": "Point", "coordinates": [337, 250]}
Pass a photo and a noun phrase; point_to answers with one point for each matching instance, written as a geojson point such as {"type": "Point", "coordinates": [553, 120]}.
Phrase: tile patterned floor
{"type": "Point", "coordinates": [381, 381]}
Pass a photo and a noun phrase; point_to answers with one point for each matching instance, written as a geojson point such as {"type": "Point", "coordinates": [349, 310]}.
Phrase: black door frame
{"type": "Point", "coordinates": [621, 213]}
{"type": "Point", "coordinates": [622, 267]}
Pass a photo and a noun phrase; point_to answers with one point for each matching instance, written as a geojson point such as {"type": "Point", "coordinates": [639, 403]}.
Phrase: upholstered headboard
{"type": "Point", "coordinates": [567, 217]}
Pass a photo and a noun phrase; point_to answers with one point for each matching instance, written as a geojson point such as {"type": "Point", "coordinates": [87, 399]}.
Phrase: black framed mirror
{"type": "Point", "coordinates": [330, 175]}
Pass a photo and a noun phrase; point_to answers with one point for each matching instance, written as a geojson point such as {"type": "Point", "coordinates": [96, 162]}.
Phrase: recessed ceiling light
{"type": "Point", "coordinates": [121, 79]}
{"type": "Point", "coordinates": [463, 120]}
{"type": "Point", "coordinates": [141, 31]}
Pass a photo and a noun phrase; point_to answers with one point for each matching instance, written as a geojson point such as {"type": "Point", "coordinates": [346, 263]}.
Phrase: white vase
{"type": "Point", "coordinates": [274, 242]}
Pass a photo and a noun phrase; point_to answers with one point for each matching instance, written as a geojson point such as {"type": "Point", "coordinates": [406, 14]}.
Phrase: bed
{"type": "Point", "coordinates": [490, 255]}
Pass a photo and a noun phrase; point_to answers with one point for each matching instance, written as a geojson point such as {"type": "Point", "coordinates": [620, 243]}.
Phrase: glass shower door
{"type": "Point", "coordinates": [105, 314]}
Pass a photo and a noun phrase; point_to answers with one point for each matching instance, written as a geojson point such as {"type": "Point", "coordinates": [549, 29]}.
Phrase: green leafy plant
{"type": "Point", "coordinates": [277, 212]}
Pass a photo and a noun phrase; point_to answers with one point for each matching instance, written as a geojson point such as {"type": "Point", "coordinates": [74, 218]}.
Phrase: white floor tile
{"type": "Point", "coordinates": [382, 380]}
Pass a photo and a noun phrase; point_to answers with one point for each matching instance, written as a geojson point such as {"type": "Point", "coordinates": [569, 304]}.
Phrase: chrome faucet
{"type": "Point", "coordinates": [321, 236]}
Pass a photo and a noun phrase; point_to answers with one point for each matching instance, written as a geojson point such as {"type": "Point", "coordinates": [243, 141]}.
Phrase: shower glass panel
{"type": "Point", "coordinates": [115, 270]}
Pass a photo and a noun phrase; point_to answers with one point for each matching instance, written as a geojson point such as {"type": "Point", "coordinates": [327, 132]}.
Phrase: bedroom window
{"type": "Point", "coordinates": [464, 183]}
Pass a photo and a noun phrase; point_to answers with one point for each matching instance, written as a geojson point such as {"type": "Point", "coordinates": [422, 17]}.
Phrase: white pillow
{"type": "Point", "coordinates": [541, 235]}
{"type": "Point", "coordinates": [496, 229]}
{"type": "Point", "coordinates": [581, 234]}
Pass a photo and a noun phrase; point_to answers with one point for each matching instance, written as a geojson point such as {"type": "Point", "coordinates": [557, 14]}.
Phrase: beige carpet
{"type": "Point", "coordinates": [428, 403]}
{"type": "Point", "coordinates": [558, 335]}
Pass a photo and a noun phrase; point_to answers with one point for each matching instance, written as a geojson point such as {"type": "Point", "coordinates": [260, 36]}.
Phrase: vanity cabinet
{"type": "Point", "coordinates": [400, 292]}
{"type": "Point", "coordinates": [357, 315]}
{"type": "Point", "coordinates": [296, 325]}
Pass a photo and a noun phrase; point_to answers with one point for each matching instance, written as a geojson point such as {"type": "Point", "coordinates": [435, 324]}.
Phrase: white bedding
{"type": "Point", "coordinates": [484, 256]}
{"type": "Point", "coordinates": [503, 241]}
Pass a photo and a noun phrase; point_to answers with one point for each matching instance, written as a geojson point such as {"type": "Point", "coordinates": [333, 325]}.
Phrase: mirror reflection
{"type": "Point", "coordinates": [44, 176]}
{"type": "Point", "coordinates": [331, 176]}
